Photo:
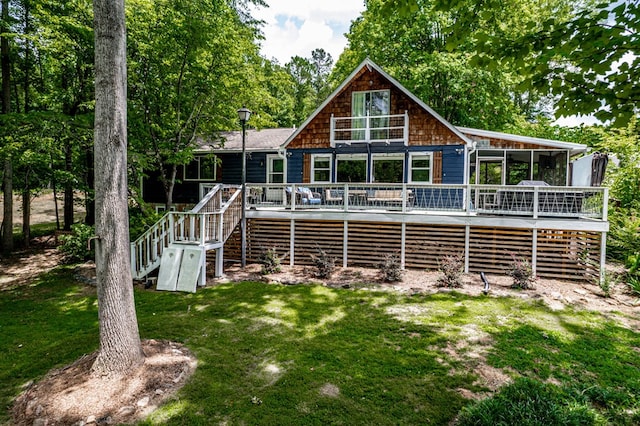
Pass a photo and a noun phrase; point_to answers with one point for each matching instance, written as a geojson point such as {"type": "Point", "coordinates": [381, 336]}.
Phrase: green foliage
{"type": "Point", "coordinates": [529, 402]}
{"type": "Point", "coordinates": [140, 219]}
{"type": "Point", "coordinates": [522, 273]}
{"type": "Point", "coordinates": [325, 264]}
{"type": "Point", "coordinates": [270, 261]}
{"type": "Point", "coordinates": [390, 268]}
{"type": "Point", "coordinates": [75, 246]}
{"type": "Point", "coordinates": [430, 52]}
{"type": "Point", "coordinates": [451, 267]}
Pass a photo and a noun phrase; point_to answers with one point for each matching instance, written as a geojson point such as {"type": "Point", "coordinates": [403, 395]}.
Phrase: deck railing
{"type": "Point", "coordinates": [211, 221]}
{"type": "Point", "coordinates": [376, 128]}
{"type": "Point", "coordinates": [530, 201]}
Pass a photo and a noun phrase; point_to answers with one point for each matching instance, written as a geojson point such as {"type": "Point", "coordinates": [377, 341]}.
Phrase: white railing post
{"type": "Point", "coordinates": [332, 131]}
{"type": "Point", "coordinates": [203, 228]}
{"type": "Point", "coordinates": [367, 128]}
{"type": "Point", "coordinates": [220, 236]}
{"type": "Point", "coordinates": [605, 204]}
{"type": "Point", "coordinates": [535, 202]}
{"type": "Point", "coordinates": [406, 128]}
{"type": "Point", "coordinates": [405, 199]}
{"type": "Point", "coordinates": [171, 228]}
{"type": "Point", "coordinates": [345, 197]}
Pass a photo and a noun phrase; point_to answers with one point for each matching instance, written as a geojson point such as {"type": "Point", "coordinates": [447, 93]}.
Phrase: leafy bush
{"type": "Point", "coordinates": [140, 220]}
{"type": "Point", "coordinates": [270, 261]}
{"type": "Point", "coordinates": [522, 273]}
{"type": "Point", "coordinates": [529, 402]}
{"type": "Point", "coordinates": [451, 268]}
{"type": "Point", "coordinates": [623, 238]}
{"type": "Point", "coordinates": [633, 273]}
{"type": "Point", "coordinates": [75, 246]}
{"type": "Point", "coordinates": [390, 268]}
{"type": "Point", "coordinates": [324, 263]}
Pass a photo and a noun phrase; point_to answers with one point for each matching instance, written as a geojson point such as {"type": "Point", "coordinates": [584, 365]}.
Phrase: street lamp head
{"type": "Point", "coordinates": [244, 114]}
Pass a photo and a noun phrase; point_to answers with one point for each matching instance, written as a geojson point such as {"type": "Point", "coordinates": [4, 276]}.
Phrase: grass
{"type": "Point", "coordinates": [311, 355]}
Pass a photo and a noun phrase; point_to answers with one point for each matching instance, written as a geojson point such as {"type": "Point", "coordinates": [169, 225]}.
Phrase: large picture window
{"type": "Point", "coordinates": [388, 168]}
{"type": "Point", "coordinates": [351, 168]}
{"type": "Point", "coordinates": [201, 168]}
{"type": "Point", "coordinates": [321, 168]}
{"type": "Point", "coordinates": [421, 167]}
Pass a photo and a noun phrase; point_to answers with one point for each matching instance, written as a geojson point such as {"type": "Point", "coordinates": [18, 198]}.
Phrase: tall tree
{"type": "Point", "coordinates": [584, 53]}
{"type": "Point", "coordinates": [186, 81]}
{"type": "Point", "coordinates": [7, 175]}
{"type": "Point", "coordinates": [120, 347]}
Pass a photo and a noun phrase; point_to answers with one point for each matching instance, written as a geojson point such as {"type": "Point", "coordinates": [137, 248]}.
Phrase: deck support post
{"type": "Point", "coordinates": [534, 252]}
{"type": "Point", "coordinates": [202, 280]}
{"type": "Point", "coordinates": [292, 242]}
{"type": "Point", "coordinates": [467, 232]}
{"type": "Point", "coordinates": [345, 243]}
{"type": "Point", "coordinates": [403, 241]}
{"type": "Point", "coordinates": [603, 257]}
{"type": "Point", "coordinates": [219, 261]}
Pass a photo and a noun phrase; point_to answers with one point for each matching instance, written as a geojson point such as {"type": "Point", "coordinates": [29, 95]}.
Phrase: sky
{"type": "Point", "coordinates": [297, 27]}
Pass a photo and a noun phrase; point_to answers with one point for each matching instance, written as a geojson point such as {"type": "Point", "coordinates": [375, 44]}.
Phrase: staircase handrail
{"type": "Point", "coordinates": [192, 227]}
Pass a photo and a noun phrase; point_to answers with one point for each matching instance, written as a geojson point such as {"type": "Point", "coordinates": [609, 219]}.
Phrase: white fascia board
{"type": "Point", "coordinates": [575, 148]}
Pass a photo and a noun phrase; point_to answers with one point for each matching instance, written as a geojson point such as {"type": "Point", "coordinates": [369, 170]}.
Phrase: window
{"type": "Point", "coordinates": [201, 168]}
{"type": "Point", "coordinates": [375, 103]}
{"type": "Point", "coordinates": [351, 168]}
{"type": "Point", "coordinates": [421, 167]}
{"type": "Point", "coordinates": [388, 168]}
{"type": "Point", "coordinates": [275, 169]}
{"type": "Point", "coordinates": [321, 168]}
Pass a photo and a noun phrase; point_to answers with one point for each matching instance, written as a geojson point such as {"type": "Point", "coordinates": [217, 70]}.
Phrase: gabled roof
{"type": "Point", "coordinates": [255, 141]}
{"type": "Point", "coordinates": [371, 65]}
{"type": "Point", "coordinates": [475, 134]}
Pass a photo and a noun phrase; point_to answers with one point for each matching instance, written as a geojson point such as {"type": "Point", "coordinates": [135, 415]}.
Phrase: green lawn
{"type": "Point", "coordinates": [271, 354]}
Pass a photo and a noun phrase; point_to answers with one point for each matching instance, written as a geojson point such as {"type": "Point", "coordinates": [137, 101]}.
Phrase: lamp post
{"type": "Point", "coordinates": [243, 115]}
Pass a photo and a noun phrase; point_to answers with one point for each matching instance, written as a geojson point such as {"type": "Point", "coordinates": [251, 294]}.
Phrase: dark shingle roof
{"type": "Point", "coordinates": [256, 140]}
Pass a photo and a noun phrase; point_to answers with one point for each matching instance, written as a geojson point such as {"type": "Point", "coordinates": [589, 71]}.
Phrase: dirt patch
{"type": "Point", "coordinates": [72, 396]}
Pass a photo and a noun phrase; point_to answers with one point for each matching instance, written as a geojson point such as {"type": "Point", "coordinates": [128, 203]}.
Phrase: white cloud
{"type": "Point", "coordinates": [295, 27]}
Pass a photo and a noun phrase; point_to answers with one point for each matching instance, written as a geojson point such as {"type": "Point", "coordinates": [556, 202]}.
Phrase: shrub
{"type": "Point", "coordinates": [324, 263]}
{"type": "Point", "coordinates": [521, 272]}
{"type": "Point", "coordinates": [529, 402]}
{"type": "Point", "coordinates": [75, 245]}
{"type": "Point", "coordinates": [633, 273]}
{"type": "Point", "coordinates": [390, 268]}
{"type": "Point", "coordinates": [451, 268]}
{"type": "Point", "coordinates": [270, 261]}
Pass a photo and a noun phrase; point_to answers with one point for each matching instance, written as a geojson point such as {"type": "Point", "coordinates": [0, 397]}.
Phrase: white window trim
{"type": "Point", "coordinates": [198, 158]}
{"type": "Point", "coordinates": [313, 167]}
{"type": "Point", "coordinates": [386, 156]}
{"type": "Point", "coordinates": [410, 168]}
{"type": "Point", "coordinates": [359, 157]}
{"type": "Point", "coordinates": [270, 158]}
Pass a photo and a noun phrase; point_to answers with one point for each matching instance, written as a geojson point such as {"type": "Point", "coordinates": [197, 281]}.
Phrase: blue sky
{"type": "Point", "coordinates": [296, 27]}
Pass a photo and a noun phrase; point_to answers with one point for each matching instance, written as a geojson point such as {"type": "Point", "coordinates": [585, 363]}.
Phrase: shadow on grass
{"type": "Point", "coordinates": [272, 354]}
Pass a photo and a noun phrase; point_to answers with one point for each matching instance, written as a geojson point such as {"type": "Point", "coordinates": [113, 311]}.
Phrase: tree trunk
{"type": "Point", "coordinates": [5, 108]}
{"type": "Point", "coordinates": [5, 59]}
{"type": "Point", "coordinates": [7, 218]}
{"type": "Point", "coordinates": [68, 188]}
{"type": "Point", "coordinates": [26, 217]}
{"type": "Point", "coordinates": [120, 348]}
